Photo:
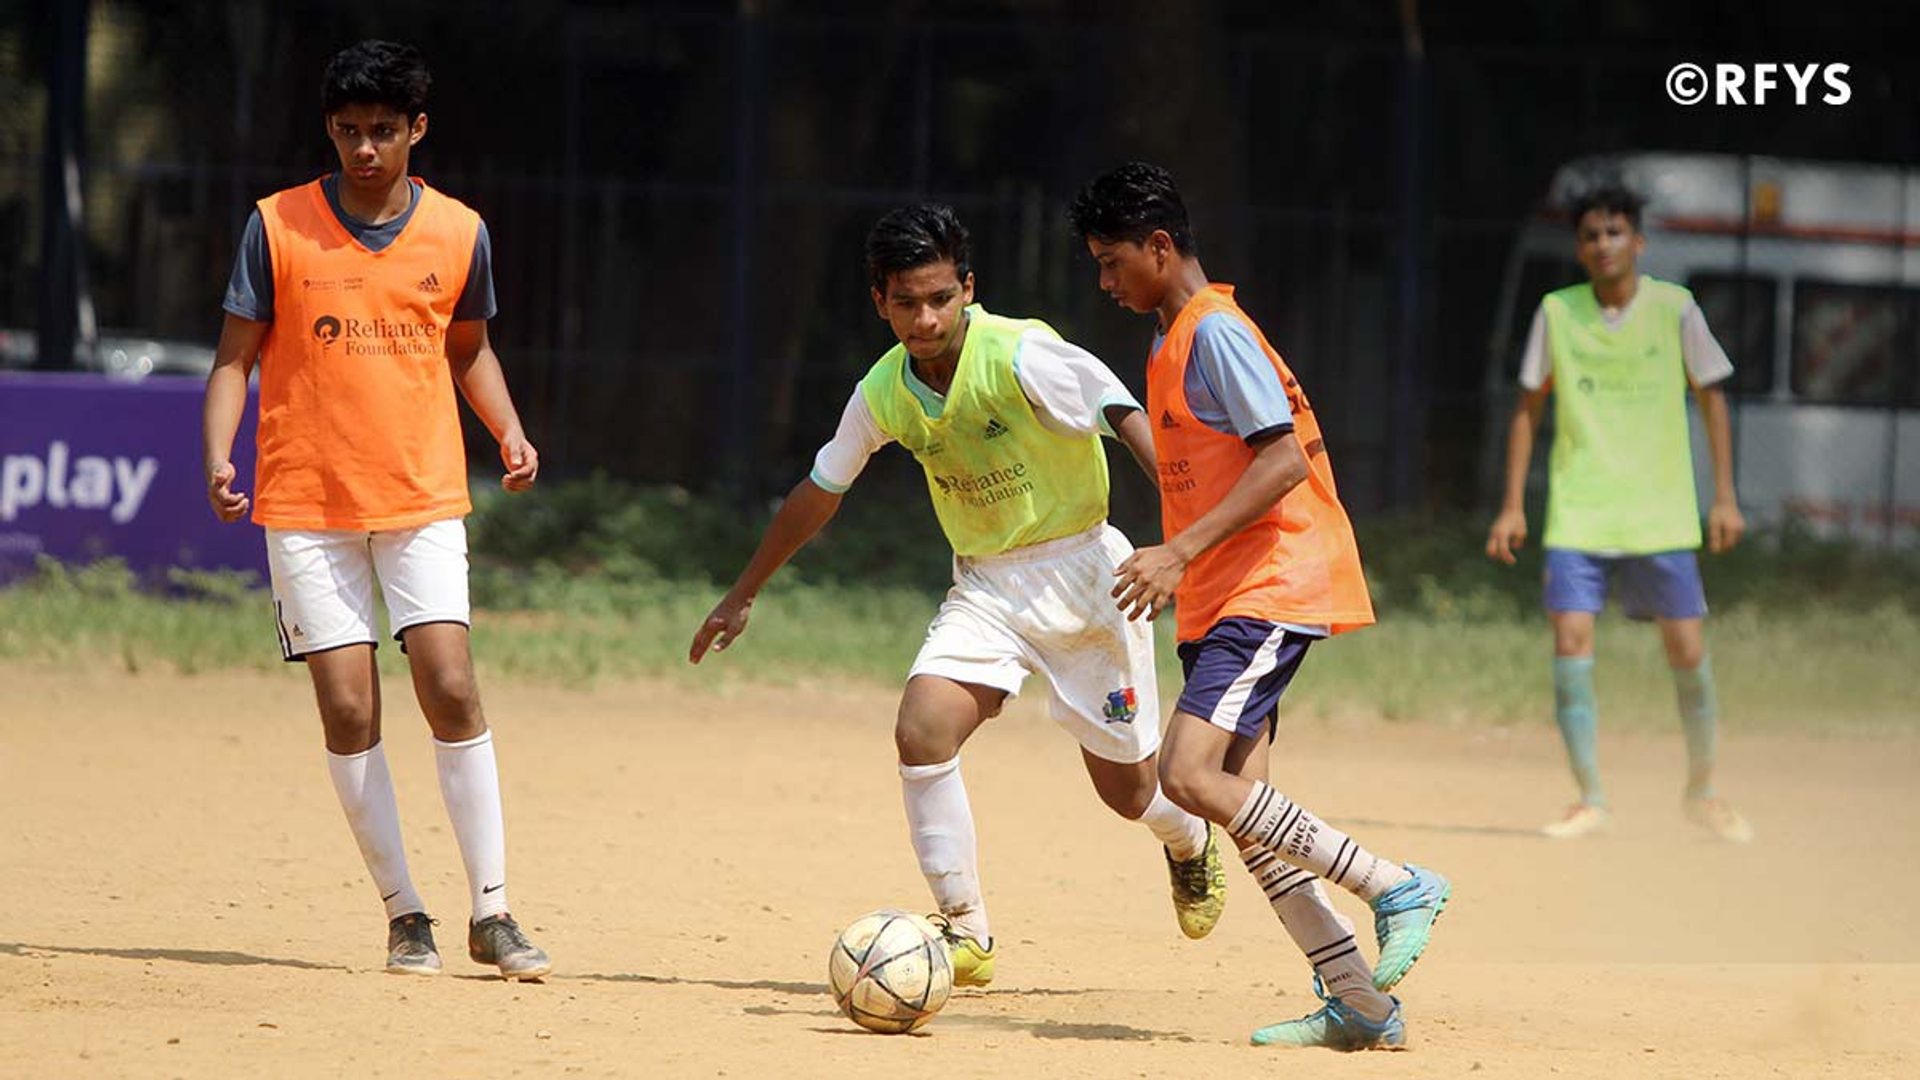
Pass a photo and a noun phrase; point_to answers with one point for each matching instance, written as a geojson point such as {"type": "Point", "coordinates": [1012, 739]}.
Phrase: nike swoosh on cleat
{"type": "Point", "coordinates": [493, 888]}
{"type": "Point", "coordinates": [390, 896]}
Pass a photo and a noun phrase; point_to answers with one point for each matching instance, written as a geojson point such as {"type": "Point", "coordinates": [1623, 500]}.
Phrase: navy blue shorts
{"type": "Point", "coordinates": [1237, 672]}
{"type": "Point", "coordinates": [1664, 585]}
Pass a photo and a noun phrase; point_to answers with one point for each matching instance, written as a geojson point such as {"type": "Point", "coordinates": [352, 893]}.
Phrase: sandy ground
{"type": "Point", "coordinates": [181, 898]}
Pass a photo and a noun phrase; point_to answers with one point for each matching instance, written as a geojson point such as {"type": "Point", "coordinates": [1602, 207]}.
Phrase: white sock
{"type": "Point", "coordinates": [941, 822]}
{"type": "Point", "coordinates": [1184, 834]}
{"type": "Point", "coordinates": [366, 794]}
{"type": "Point", "coordinates": [1321, 932]}
{"type": "Point", "coordinates": [1272, 821]}
{"type": "Point", "coordinates": [470, 786]}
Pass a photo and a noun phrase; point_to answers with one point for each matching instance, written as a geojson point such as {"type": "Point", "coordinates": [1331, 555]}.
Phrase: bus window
{"type": "Point", "coordinates": [1740, 312]}
{"type": "Point", "coordinates": [1849, 341]}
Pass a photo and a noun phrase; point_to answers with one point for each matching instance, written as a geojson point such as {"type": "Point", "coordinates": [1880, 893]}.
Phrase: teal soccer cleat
{"type": "Point", "coordinates": [1403, 918]}
{"type": "Point", "coordinates": [1337, 1027]}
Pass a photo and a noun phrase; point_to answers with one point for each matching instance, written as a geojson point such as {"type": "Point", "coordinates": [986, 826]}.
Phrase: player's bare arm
{"type": "Point", "coordinates": [805, 512]}
{"type": "Point", "coordinates": [1509, 532]}
{"type": "Point", "coordinates": [220, 411]}
{"type": "Point", "coordinates": [1148, 578]}
{"type": "Point", "coordinates": [1725, 524]}
{"type": "Point", "coordinates": [476, 370]}
{"type": "Point", "coordinates": [1131, 426]}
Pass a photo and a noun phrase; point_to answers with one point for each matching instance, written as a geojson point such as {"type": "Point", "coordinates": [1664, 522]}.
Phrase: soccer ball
{"type": "Point", "coordinates": [890, 971]}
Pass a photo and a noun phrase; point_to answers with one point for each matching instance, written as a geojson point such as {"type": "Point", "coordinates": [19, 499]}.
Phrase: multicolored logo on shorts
{"type": "Point", "coordinates": [1122, 706]}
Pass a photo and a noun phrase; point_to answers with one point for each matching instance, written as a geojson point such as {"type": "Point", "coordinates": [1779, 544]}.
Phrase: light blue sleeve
{"type": "Point", "coordinates": [1231, 385]}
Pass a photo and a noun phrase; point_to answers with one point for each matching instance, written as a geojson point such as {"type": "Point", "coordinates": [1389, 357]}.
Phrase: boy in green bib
{"type": "Point", "coordinates": [1006, 420]}
{"type": "Point", "coordinates": [1622, 350]}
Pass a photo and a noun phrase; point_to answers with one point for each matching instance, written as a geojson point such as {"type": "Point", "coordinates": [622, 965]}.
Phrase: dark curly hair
{"type": "Point", "coordinates": [1128, 204]}
{"type": "Point", "coordinates": [1609, 197]}
{"type": "Point", "coordinates": [916, 236]}
{"type": "Point", "coordinates": [377, 73]}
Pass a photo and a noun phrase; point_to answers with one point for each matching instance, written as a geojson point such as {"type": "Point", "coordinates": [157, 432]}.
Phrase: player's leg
{"type": "Point", "coordinates": [1667, 588]}
{"type": "Point", "coordinates": [1300, 901]}
{"type": "Point", "coordinates": [423, 573]}
{"type": "Point", "coordinates": [1255, 814]}
{"type": "Point", "coordinates": [1238, 672]}
{"type": "Point", "coordinates": [323, 605]}
{"type": "Point", "coordinates": [1686, 648]}
{"type": "Point", "coordinates": [937, 715]}
{"type": "Point", "coordinates": [1198, 881]}
{"type": "Point", "coordinates": [1105, 692]}
{"type": "Point", "coordinates": [1204, 767]}
{"type": "Point", "coordinates": [1576, 591]}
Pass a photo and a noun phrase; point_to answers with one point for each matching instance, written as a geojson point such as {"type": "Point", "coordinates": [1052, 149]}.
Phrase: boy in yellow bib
{"type": "Point", "coordinates": [1621, 350]}
{"type": "Point", "coordinates": [1006, 419]}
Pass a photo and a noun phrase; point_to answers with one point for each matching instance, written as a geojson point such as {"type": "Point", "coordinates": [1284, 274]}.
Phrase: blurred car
{"type": "Point", "coordinates": [117, 353]}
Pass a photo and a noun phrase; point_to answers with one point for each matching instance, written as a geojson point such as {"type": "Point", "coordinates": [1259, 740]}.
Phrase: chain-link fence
{"type": "Point", "coordinates": [678, 200]}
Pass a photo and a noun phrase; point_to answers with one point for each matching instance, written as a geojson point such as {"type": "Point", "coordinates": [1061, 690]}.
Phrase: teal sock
{"type": "Point", "coordinates": [1574, 711]}
{"type": "Point", "coordinates": [1699, 713]}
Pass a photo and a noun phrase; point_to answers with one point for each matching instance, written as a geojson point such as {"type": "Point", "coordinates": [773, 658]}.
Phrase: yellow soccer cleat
{"type": "Point", "coordinates": [1199, 889]}
{"type": "Point", "coordinates": [972, 961]}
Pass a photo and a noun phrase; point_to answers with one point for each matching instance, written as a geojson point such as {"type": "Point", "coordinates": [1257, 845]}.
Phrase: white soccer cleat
{"type": "Point", "coordinates": [1581, 819]}
{"type": "Point", "coordinates": [1717, 816]}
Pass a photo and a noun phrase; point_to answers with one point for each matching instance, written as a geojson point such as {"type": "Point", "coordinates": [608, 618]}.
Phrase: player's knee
{"type": "Point", "coordinates": [923, 740]}
{"type": "Point", "coordinates": [1686, 655]}
{"type": "Point", "coordinates": [1129, 796]}
{"type": "Point", "coordinates": [1185, 784]}
{"type": "Point", "coordinates": [450, 691]}
{"type": "Point", "coordinates": [348, 721]}
{"type": "Point", "coordinates": [1573, 641]}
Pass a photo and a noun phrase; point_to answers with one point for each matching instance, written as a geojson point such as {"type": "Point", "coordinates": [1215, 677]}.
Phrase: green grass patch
{"type": "Point", "coordinates": [601, 581]}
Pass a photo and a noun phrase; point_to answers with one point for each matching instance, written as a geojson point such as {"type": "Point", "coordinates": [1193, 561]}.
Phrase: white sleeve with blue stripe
{"type": "Point", "coordinates": [1069, 387]}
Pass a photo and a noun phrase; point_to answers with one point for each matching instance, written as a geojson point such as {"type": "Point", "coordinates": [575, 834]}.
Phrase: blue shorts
{"type": "Point", "coordinates": [1664, 585]}
{"type": "Point", "coordinates": [1237, 672]}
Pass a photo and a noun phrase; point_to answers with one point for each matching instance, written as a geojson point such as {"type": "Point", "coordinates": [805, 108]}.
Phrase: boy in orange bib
{"type": "Point", "coordinates": [365, 296]}
{"type": "Point", "coordinates": [1261, 562]}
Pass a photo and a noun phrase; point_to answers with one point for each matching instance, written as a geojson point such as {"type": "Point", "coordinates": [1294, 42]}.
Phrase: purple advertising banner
{"type": "Point", "coordinates": [93, 467]}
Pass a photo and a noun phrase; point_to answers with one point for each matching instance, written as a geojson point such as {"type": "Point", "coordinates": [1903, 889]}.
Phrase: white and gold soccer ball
{"type": "Point", "coordinates": [890, 971]}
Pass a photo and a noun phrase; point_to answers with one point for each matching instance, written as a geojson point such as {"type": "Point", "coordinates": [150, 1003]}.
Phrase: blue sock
{"type": "Point", "coordinates": [1574, 711]}
{"type": "Point", "coordinates": [1699, 711]}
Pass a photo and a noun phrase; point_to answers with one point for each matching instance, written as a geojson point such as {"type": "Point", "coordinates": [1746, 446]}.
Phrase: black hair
{"type": "Point", "coordinates": [1128, 204]}
{"type": "Point", "coordinates": [377, 73]}
{"type": "Point", "coordinates": [914, 236]}
{"type": "Point", "coordinates": [1609, 197]}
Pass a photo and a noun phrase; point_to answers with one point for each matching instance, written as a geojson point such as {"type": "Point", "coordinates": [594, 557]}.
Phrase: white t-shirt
{"type": "Point", "coordinates": [1068, 387]}
{"type": "Point", "coordinates": [1706, 361]}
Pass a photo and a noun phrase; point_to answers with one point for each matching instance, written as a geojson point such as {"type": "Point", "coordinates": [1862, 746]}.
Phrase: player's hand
{"type": "Point", "coordinates": [228, 505]}
{"type": "Point", "coordinates": [723, 626]}
{"type": "Point", "coordinates": [521, 459]}
{"type": "Point", "coordinates": [1147, 580]}
{"type": "Point", "coordinates": [1725, 526]}
{"type": "Point", "coordinates": [1508, 535]}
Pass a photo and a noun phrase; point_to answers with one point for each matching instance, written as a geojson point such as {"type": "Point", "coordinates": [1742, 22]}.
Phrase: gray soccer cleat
{"type": "Point", "coordinates": [498, 940]}
{"type": "Point", "coordinates": [410, 949]}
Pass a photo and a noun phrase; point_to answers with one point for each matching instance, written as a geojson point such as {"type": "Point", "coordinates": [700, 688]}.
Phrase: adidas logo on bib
{"type": "Point", "coordinates": [430, 283]}
{"type": "Point", "coordinates": [1167, 420]}
{"type": "Point", "coordinates": [995, 428]}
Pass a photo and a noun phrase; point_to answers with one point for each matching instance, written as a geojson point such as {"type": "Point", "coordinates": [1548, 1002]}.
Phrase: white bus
{"type": "Point", "coordinates": [1809, 274]}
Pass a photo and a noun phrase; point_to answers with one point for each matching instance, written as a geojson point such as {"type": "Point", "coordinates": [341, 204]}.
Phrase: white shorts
{"type": "Point", "coordinates": [1046, 609]}
{"type": "Point", "coordinates": [323, 582]}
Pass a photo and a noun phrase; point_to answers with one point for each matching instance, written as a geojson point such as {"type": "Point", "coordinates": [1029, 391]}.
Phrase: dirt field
{"type": "Point", "coordinates": [182, 898]}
